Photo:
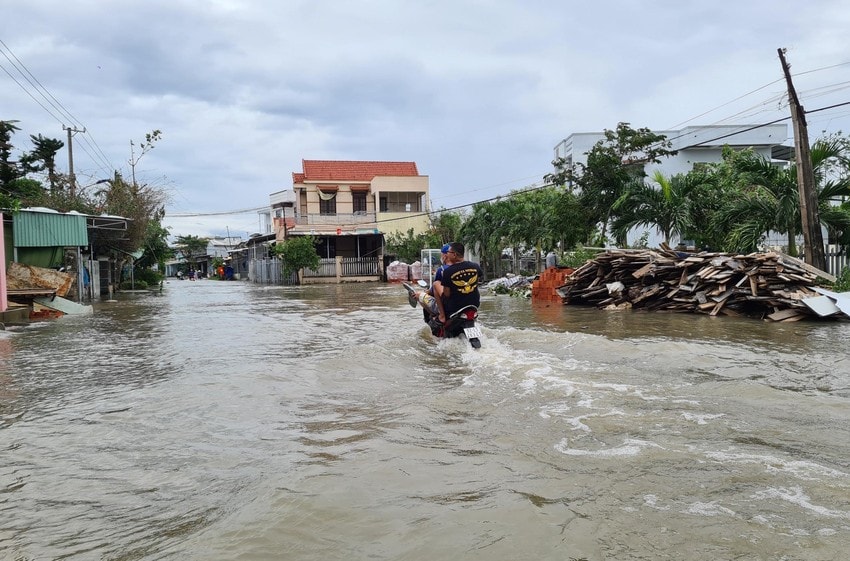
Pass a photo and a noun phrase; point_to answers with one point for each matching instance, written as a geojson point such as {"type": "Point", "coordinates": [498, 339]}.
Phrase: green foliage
{"type": "Point", "coordinates": [446, 225]}
{"type": "Point", "coordinates": [191, 247]}
{"type": "Point", "coordinates": [148, 276]}
{"type": "Point", "coordinates": [613, 165]}
{"type": "Point", "coordinates": [10, 170]}
{"type": "Point", "coordinates": [666, 204]}
{"type": "Point", "coordinates": [43, 157]}
{"type": "Point", "coordinates": [136, 284]}
{"type": "Point", "coordinates": [27, 189]}
{"type": "Point", "coordinates": [408, 247]}
{"type": "Point", "coordinates": [642, 242]}
{"type": "Point", "coordinates": [577, 257]}
{"type": "Point", "coordinates": [156, 248]}
{"type": "Point", "coordinates": [298, 252]}
{"type": "Point", "coordinates": [842, 282]}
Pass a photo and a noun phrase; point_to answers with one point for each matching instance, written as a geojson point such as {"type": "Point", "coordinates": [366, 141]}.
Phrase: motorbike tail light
{"type": "Point", "coordinates": [471, 314]}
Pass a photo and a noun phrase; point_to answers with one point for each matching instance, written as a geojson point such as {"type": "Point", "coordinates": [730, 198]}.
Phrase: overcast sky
{"type": "Point", "coordinates": [477, 93]}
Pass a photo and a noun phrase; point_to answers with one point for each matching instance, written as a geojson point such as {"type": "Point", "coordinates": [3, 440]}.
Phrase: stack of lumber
{"type": "Point", "coordinates": [545, 286]}
{"type": "Point", "coordinates": [764, 285]}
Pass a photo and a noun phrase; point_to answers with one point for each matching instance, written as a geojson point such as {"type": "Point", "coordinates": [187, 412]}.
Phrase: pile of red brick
{"type": "Point", "coordinates": [543, 289]}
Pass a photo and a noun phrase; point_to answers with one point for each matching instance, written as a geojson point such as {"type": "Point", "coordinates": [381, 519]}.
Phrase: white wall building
{"type": "Point", "coordinates": [694, 145]}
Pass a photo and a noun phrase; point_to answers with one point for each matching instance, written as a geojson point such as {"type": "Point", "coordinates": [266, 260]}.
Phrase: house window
{"type": "Point", "coordinates": [327, 207]}
{"type": "Point", "coordinates": [401, 202]}
{"type": "Point", "coordinates": [358, 199]}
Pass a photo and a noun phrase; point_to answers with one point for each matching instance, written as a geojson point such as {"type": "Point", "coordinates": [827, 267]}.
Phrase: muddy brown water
{"type": "Point", "coordinates": [224, 420]}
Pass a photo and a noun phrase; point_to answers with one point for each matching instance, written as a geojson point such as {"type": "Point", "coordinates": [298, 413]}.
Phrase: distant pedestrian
{"type": "Point", "coordinates": [551, 259]}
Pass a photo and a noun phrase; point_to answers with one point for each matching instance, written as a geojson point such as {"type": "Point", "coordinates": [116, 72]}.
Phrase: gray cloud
{"type": "Point", "coordinates": [476, 93]}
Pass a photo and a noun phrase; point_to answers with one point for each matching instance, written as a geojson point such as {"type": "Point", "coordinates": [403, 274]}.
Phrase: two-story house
{"type": "Point", "coordinates": [348, 206]}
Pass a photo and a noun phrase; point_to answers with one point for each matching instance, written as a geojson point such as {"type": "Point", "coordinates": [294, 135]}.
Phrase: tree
{"type": "Point", "coordinates": [151, 139]}
{"type": "Point", "coordinates": [613, 164]}
{"type": "Point", "coordinates": [667, 207]}
{"type": "Point", "coordinates": [532, 222]}
{"type": "Point", "coordinates": [141, 203]}
{"type": "Point", "coordinates": [484, 231]}
{"type": "Point", "coordinates": [572, 222]}
{"type": "Point", "coordinates": [10, 171]}
{"type": "Point", "coordinates": [156, 248]}
{"type": "Point", "coordinates": [43, 158]}
{"type": "Point", "coordinates": [446, 225]}
{"type": "Point", "coordinates": [408, 246]}
{"type": "Point", "coordinates": [191, 247]}
{"type": "Point", "coordinates": [298, 252]}
{"type": "Point", "coordinates": [768, 197]}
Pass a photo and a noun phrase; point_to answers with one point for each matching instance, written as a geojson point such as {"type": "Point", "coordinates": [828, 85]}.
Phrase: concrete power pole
{"type": "Point", "coordinates": [812, 236]}
{"type": "Point", "coordinates": [72, 179]}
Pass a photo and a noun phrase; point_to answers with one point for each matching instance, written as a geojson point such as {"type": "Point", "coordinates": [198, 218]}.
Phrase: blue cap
{"type": "Point", "coordinates": [445, 249]}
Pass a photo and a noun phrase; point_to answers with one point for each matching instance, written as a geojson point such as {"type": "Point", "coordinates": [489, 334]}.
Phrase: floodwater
{"type": "Point", "coordinates": [223, 420]}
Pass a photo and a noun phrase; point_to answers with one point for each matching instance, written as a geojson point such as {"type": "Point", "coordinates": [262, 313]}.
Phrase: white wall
{"type": "Point", "coordinates": [711, 140]}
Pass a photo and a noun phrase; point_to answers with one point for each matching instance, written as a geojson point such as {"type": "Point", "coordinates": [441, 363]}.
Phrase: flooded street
{"type": "Point", "coordinates": [225, 420]}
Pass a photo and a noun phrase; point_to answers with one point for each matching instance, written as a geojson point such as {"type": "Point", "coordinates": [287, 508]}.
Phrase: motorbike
{"type": "Point", "coordinates": [460, 323]}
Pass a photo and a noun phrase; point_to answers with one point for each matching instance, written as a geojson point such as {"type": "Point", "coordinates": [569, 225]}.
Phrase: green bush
{"type": "Point", "coordinates": [577, 257]}
{"type": "Point", "coordinates": [129, 285]}
{"type": "Point", "coordinates": [150, 276]}
{"type": "Point", "coordinates": [842, 282]}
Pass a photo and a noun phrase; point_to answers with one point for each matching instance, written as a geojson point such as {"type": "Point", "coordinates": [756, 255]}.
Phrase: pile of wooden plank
{"type": "Point", "coordinates": [764, 285]}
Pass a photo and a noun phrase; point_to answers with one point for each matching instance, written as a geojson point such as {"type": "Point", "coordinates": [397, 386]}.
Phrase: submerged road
{"type": "Point", "coordinates": [224, 420]}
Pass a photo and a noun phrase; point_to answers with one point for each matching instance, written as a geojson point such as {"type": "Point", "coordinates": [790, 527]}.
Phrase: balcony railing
{"type": "Point", "coordinates": [334, 219]}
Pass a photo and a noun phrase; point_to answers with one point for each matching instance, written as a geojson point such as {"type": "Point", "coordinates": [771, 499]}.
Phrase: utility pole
{"type": "Point", "coordinates": [72, 179]}
{"type": "Point", "coordinates": [812, 236]}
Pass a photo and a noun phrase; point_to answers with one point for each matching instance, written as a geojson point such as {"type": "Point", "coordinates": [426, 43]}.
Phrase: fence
{"type": "Point", "coordinates": [836, 259]}
{"type": "Point", "coordinates": [345, 267]}
{"type": "Point", "coordinates": [326, 268]}
{"type": "Point", "coordinates": [270, 271]}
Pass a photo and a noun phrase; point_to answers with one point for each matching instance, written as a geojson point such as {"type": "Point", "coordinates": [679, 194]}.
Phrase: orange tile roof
{"type": "Point", "coordinates": [339, 170]}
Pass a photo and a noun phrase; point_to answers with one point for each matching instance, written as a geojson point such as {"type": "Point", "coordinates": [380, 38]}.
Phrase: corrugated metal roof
{"type": "Point", "coordinates": [48, 229]}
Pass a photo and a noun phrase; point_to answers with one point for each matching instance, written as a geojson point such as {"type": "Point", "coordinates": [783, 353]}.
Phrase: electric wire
{"type": "Point", "coordinates": [38, 86]}
{"type": "Point", "coordinates": [64, 114]}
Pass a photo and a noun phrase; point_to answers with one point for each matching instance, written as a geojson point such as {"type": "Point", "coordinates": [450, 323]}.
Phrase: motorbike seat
{"type": "Point", "coordinates": [464, 310]}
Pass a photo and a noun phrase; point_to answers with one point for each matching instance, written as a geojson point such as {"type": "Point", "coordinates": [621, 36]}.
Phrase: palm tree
{"type": "Point", "coordinates": [667, 207]}
{"type": "Point", "coordinates": [769, 197]}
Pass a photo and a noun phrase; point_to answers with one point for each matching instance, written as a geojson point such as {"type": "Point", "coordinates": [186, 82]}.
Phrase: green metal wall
{"type": "Point", "coordinates": [45, 229]}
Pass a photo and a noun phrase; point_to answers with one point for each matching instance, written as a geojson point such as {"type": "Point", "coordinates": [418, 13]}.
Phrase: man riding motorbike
{"type": "Point", "coordinates": [460, 282]}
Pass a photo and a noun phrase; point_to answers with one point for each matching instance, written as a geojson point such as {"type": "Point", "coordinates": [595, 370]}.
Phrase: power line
{"type": "Point", "coordinates": [221, 213]}
{"type": "Point", "coordinates": [51, 100]}
{"type": "Point", "coordinates": [725, 104]}
{"type": "Point", "coordinates": [759, 89]}
{"type": "Point", "coordinates": [29, 94]}
{"type": "Point", "coordinates": [38, 86]}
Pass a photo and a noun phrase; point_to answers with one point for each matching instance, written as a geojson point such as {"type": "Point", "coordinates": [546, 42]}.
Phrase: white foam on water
{"type": "Point", "coordinates": [621, 388]}
{"type": "Point", "coordinates": [554, 409]}
{"type": "Point", "coordinates": [703, 418]}
{"type": "Point", "coordinates": [808, 471]}
{"type": "Point", "coordinates": [630, 447]}
{"type": "Point", "coordinates": [708, 509]}
{"type": "Point", "coordinates": [795, 495]}
{"type": "Point", "coordinates": [652, 502]}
